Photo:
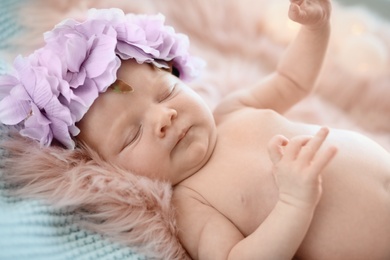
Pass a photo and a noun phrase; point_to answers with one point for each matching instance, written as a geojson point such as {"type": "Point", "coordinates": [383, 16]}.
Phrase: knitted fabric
{"type": "Point", "coordinates": [8, 27]}
{"type": "Point", "coordinates": [32, 230]}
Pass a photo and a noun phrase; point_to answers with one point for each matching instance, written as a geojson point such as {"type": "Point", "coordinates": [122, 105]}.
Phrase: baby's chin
{"type": "Point", "coordinates": [195, 157]}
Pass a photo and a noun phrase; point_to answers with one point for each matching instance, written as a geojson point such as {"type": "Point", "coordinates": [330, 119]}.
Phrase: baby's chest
{"type": "Point", "coordinates": [239, 184]}
{"type": "Point", "coordinates": [238, 181]}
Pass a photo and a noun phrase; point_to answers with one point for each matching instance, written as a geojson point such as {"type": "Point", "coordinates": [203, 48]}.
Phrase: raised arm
{"type": "Point", "coordinates": [299, 67]}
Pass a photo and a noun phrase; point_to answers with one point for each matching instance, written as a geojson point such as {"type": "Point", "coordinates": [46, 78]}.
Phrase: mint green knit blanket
{"type": "Point", "coordinates": [31, 230]}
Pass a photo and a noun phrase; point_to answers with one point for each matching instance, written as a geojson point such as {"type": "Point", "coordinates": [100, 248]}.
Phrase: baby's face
{"type": "Point", "coordinates": [161, 129]}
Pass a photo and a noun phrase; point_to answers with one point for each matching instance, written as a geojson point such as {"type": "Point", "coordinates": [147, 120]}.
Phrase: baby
{"type": "Point", "coordinates": [247, 182]}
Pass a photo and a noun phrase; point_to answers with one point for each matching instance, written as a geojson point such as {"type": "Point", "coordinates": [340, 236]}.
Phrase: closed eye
{"type": "Point", "coordinates": [169, 93]}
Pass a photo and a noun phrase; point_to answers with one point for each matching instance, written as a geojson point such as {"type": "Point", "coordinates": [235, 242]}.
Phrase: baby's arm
{"type": "Point", "coordinates": [298, 164]}
{"type": "Point", "coordinates": [298, 70]}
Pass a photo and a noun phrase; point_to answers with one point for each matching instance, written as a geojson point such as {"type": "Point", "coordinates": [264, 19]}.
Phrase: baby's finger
{"type": "Point", "coordinates": [295, 145]}
{"type": "Point", "coordinates": [296, 13]}
{"type": "Point", "coordinates": [307, 154]}
{"type": "Point", "coordinates": [275, 149]}
{"type": "Point", "coordinates": [323, 159]}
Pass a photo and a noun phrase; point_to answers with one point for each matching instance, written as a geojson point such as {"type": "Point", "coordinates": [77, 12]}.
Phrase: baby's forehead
{"type": "Point", "coordinates": [131, 70]}
{"type": "Point", "coordinates": [138, 75]}
{"type": "Point", "coordinates": [132, 66]}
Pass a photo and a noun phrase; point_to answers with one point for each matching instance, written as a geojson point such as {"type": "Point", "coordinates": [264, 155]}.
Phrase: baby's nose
{"type": "Point", "coordinates": [164, 121]}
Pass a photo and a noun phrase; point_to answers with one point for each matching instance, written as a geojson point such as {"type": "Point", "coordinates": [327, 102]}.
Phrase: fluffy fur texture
{"type": "Point", "coordinates": [240, 44]}
{"type": "Point", "coordinates": [133, 210]}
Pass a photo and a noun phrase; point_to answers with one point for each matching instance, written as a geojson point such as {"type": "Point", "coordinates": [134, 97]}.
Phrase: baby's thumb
{"type": "Point", "coordinates": [275, 147]}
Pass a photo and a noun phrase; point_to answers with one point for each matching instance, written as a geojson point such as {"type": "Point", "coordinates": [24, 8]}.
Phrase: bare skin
{"type": "Point", "coordinates": [247, 182]}
{"type": "Point", "coordinates": [227, 202]}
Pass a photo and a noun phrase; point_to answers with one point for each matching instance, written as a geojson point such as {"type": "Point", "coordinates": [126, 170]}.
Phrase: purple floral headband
{"type": "Point", "coordinates": [52, 89]}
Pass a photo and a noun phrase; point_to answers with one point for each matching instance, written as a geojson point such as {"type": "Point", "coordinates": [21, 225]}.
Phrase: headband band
{"type": "Point", "coordinates": [52, 89]}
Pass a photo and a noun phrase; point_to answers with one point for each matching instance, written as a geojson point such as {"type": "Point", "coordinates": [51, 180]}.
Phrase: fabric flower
{"type": "Point", "coordinates": [52, 89]}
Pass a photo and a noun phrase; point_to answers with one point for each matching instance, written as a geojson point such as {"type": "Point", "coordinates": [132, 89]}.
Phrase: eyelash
{"type": "Point", "coordinates": [171, 91]}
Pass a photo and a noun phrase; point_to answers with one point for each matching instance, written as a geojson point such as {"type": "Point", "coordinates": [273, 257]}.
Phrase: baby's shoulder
{"type": "Point", "coordinates": [229, 105]}
{"type": "Point", "coordinates": [202, 229]}
{"type": "Point", "coordinates": [192, 213]}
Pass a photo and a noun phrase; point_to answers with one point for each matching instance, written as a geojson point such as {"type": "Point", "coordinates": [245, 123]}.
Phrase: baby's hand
{"type": "Point", "coordinates": [312, 13]}
{"type": "Point", "coordinates": [298, 164]}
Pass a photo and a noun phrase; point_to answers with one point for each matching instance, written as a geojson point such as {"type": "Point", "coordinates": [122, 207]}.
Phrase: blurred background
{"type": "Point", "coordinates": [9, 25]}
{"type": "Point", "coordinates": [381, 7]}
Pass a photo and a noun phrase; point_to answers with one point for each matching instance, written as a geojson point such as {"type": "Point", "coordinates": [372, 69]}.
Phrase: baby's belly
{"type": "Point", "coordinates": [352, 220]}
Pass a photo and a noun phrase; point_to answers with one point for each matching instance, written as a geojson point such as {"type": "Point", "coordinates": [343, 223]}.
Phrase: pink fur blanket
{"type": "Point", "coordinates": [242, 42]}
